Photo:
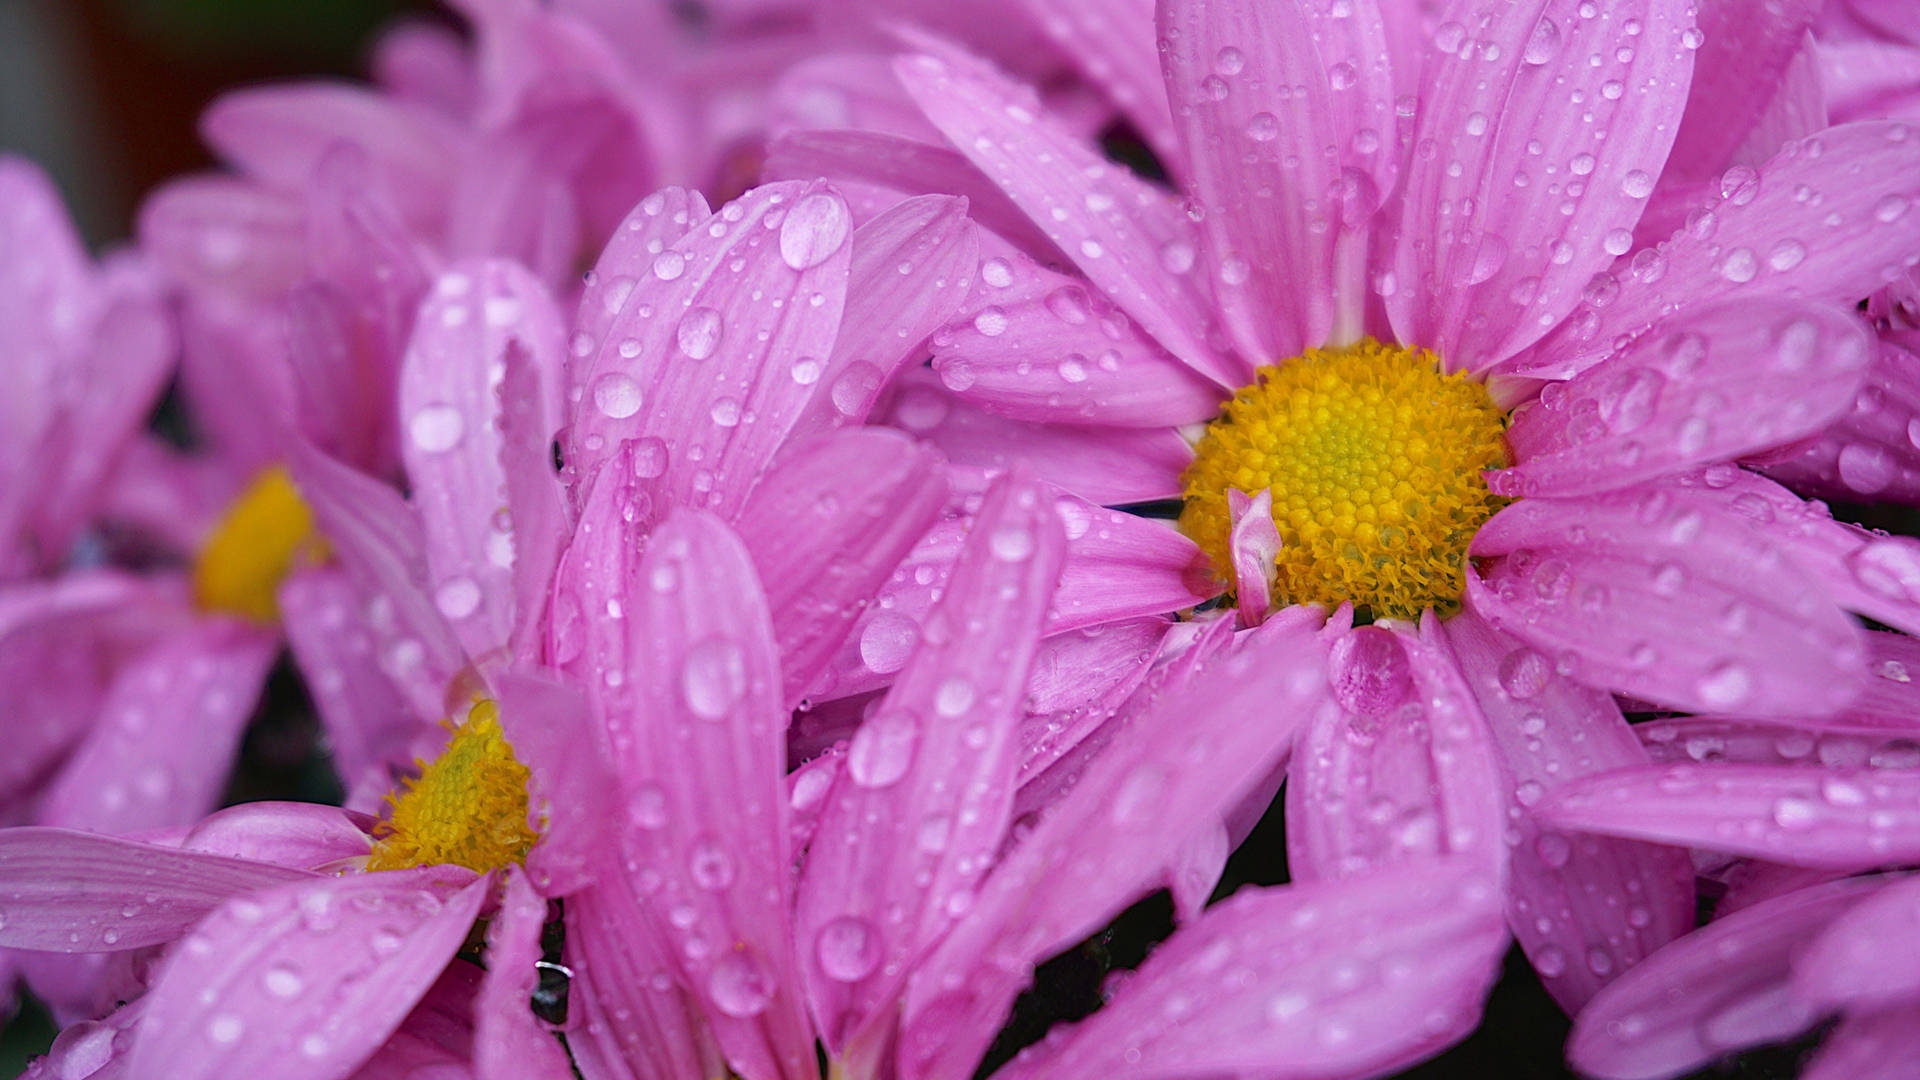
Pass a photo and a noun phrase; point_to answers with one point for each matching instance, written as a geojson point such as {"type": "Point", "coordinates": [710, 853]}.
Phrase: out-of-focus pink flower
{"type": "Point", "coordinates": [1464, 180]}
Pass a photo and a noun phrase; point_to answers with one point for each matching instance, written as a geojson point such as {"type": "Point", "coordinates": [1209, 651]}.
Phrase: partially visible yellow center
{"type": "Point", "coordinates": [468, 808]}
{"type": "Point", "coordinates": [1374, 457]}
{"type": "Point", "coordinates": [262, 537]}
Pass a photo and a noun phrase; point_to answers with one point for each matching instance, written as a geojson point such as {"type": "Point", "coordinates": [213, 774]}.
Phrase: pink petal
{"type": "Point", "coordinates": [369, 722]}
{"type": "Point", "coordinates": [1873, 574]}
{"type": "Point", "coordinates": [1869, 958]}
{"type": "Point", "coordinates": [1841, 818]}
{"type": "Point", "coordinates": [1255, 542]}
{"type": "Point", "coordinates": [888, 168]}
{"type": "Point", "coordinates": [1113, 46]}
{"type": "Point", "coordinates": [1109, 466]}
{"type": "Point", "coordinates": [1812, 744]}
{"type": "Point", "coordinates": [1869, 1046]}
{"type": "Point", "coordinates": [109, 385]}
{"type": "Point", "coordinates": [1184, 649]}
{"type": "Point", "coordinates": [705, 787]}
{"type": "Point", "coordinates": [230, 235]}
{"type": "Point", "coordinates": [380, 544]}
{"type": "Point", "coordinates": [1665, 595]}
{"type": "Point", "coordinates": [699, 364]}
{"type": "Point", "coordinates": [305, 836]}
{"type": "Point", "coordinates": [1113, 836]}
{"type": "Point", "coordinates": [163, 744]}
{"type": "Point", "coordinates": [1710, 385]}
{"type": "Point", "coordinates": [1737, 70]}
{"type": "Point", "coordinates": [637, 1020]}
{"type": "Point", "coordinates": [1867, 453]}
{"type": "Point", "coordinates": [1118, 566]}
{"type": "Point", "coordinates": [1541, 131]}
{"type": "Point", "coordinates": [841, 93]}
{"type": "Point", "coordinates": [1118, 231]}
{"type": "Point", "coordinates": [1584, 908]}
{"type": "Point", "coordinates": [305, 981]}
{"type": "Point", "coordinates": [428, 64]}
{"type": "Point", "coordinates": [69, 891]}
{"type": "Point", "coordinates": [508, 1044]}
{"type": "Point", "coordinates": [536, 501]}
{"type": "Point", "coordinates": [826, 528]}
{"type": "Point", "coordinates": [1122, 565]}
{"type": "Point", "coordinates": [1712, 992]}
{"type": "Point", "coordinates": [1035, 345]}
{"type": "Point", "coordinates": [911, 267]}
{"type": "Point", "coordinates": [1405, 769]}
{"type": "Point", "coordinates": [1827, 220]}
{"type": "Point", "coordinates": [448, 402]}
{"type": "Point", "coordinates": [660, 221]}
{"type": "Point", "coordinates": [928, 789]}
{"type": "Point", "coordinates": [59, 643]}
{"type": "Point", "coordinates": [96, 1050]}
{"type": "Point", "coordinates": [573, 789]}
{"type": "Point", "coordinates": [1079, 680]}
{"type": "Point", "coordinates": [1285, 113]}
{"type": "Point", "coordinates": [1342, 978]}
{"type": "Point", "coordinates": [279, 134]}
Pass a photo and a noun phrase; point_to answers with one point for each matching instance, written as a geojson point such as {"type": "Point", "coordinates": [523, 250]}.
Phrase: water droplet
{"type": "Point", "coordinates": [1544, 43]}
{"type": "Point", "coordinates": [457, 598]}
{"type": "Point", "coordinates": [1011, 543]}
{"type": "Point", "coordinates": [647, 806]}
{"type": "Point", "coordinates": [710, 865]}
{"type": "Point", "coordinates": [617, 395]}
{"type": "Point", "coordinates": [714, 677]}
{"type": "Point", "coordinates": [669, 265]}
{"type": "Point", "coordinates": [990, 322]}
{"type": "Point", "coordinates": [806, 370]}
{"type": "Point", "coordinates": [882, 749]}
{"type": "Point", "coordinates": [725, 412]}
{"type": "Point", "coordinates": [1725, 685]}
{"type": "Point", "coordinates": [437, 428]}
{"type": "Point", "coordinates": [1263, 127]}
{"type": "Point", "coordinates": [226, 1029]}
{"type": "Point", "coordinates": [282, 981]}
{"type": "Point", "coordinates": [954, 697]}
{"type": "Point", "coordinates": [813, 230]}
{"type": "Point", "coordinates": [739, 986]}
{"type": "Point", "coordinates": [886, 642]}
{"type": "Point", "coordinates": [80, 1051]}
{"type": "Point", "coordinates": [699, 333]}
{"type": "Point", "coordinates": [847, 949]}
{"type": "Point", "coordinates": [1551, 963]}
{"type": "Point", "coordinates": [1739, 266]}
{"type": "Point", "coordinates": [1524, 673]}
{"type": "Point", "coordinates": [1369, 671]}
{"type": "Point", "coordinates": [1865, 468]}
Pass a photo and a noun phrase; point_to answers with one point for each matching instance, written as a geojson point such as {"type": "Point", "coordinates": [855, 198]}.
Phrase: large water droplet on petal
{"type": "Point", "coordinates": [813, 230]}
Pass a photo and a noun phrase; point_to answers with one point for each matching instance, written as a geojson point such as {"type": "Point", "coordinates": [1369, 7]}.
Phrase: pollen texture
{"type": "Point", "coordinates": [263, 536]}
{"type": "Point", "coordinates": [468, 807]}
{"type": "Point", "coordinates": [1374, 457]}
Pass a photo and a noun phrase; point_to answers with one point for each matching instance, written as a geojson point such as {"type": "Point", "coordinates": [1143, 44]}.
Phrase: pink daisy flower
{"type": "Point", "coordinates": [1496, 421]}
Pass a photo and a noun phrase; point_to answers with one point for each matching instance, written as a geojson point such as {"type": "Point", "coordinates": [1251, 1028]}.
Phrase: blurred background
{"type": "Point", "coordinates": [104, 94]}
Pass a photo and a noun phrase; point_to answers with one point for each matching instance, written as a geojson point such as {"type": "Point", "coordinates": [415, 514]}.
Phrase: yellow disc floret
{"type": "Point", "coordinates": [1374, 456]}
{"type": "Point", "coordinates": [468, 808]}
{"type": "Point", "coordinates": [263, 536]}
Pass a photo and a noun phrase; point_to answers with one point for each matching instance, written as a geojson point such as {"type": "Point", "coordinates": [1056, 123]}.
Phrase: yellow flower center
{"type": "Point", "coordinates": [468, 808]}
{"type": "Point", "coordinates": [262, 537]}
{"type": "Point", "coordinates": [1374, 457]}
